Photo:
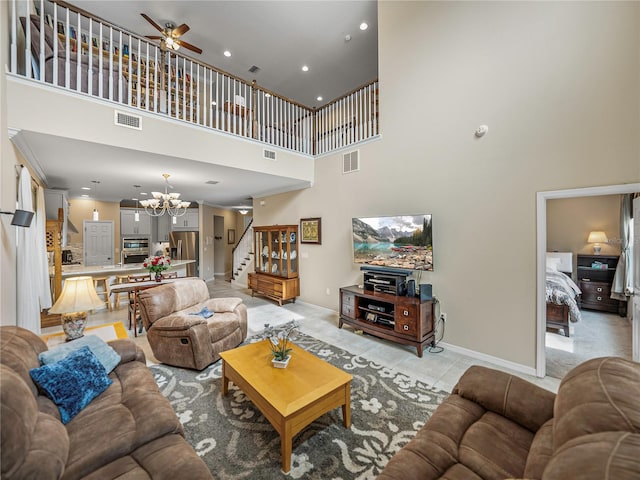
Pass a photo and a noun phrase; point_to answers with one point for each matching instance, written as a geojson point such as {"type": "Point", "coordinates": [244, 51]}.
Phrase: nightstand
{"type": "Point", "coordinates": [595, 277]}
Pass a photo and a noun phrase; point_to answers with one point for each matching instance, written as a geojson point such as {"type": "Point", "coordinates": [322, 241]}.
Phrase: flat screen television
{"type": "Point", "coordinates": [400, 241]}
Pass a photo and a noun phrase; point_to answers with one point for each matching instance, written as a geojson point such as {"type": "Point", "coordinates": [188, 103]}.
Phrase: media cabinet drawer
{"type": "Point", "coordinates": [406, 325]}
{"type": "Point", "coordinates": [348, 299]}
{"type": "Point", "coordinates": [348, 311]}
{"type": "Point", "coordinates": [405, 311]}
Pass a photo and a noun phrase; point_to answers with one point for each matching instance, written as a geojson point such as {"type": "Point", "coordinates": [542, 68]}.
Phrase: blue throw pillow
{"type": "Point", "coordinates": [72, 382]}
{"type": "Point", "coordinates": [107, 355]}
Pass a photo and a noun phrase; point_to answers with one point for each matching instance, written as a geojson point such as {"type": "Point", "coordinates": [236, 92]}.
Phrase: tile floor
{"type": "Point", "coordinates": [442, 370]}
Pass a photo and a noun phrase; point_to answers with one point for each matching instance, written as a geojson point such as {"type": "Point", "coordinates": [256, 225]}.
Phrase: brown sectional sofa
{"type": "Point", "coordinates": [497, 426]}
{"type": "Point", "coordinates": [180, 338]}
{"type": "Point", "coordinates": [129, 431]}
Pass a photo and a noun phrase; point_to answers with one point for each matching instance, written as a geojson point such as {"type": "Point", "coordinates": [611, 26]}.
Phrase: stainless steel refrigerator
{"type": "Point", "coordinates": [184, 246]}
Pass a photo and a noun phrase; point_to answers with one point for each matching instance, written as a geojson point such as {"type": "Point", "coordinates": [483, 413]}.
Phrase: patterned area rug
{"type": "Point", "coordinates": [237, 442]}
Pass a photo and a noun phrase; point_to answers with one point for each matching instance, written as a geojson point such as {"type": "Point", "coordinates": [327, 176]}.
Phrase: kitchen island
{"type": "Point", "coordinates": [119, 269]}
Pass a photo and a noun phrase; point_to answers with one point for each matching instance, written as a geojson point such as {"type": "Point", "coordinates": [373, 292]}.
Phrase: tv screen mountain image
{"type": "Point", "coordinates": [400, 241]}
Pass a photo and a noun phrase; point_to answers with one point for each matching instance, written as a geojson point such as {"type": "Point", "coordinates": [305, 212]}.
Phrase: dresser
{"type": "Point", "coordinates": [595, 277]}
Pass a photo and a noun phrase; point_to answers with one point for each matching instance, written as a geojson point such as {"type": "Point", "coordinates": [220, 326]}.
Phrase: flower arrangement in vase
{"type": "Point", "coordinates": [157, 265]}
{"type": "Point", "coordinates": [279, 342]}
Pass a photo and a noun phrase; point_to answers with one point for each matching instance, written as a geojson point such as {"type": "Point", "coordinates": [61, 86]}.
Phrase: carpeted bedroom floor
{"type": "Point", "coordinates": [597, 334]}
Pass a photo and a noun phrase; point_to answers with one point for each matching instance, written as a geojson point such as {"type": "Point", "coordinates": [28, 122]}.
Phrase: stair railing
{"type": "Point", "coordinates": [242, 250]}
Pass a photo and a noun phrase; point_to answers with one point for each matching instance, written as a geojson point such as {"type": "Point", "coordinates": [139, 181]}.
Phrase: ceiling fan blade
{"type": "Point", "coordinates": [148, 19]}
{"type": "Point", "coordinates": [153, 37]}
{"type": "Point", "coordinates": [181, 30]}
{"type": "Point", "coordinates": [188, 46]}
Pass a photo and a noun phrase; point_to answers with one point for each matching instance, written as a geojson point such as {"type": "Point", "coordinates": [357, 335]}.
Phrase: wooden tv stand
{"type": "Point", "coordinates": [400, 319]}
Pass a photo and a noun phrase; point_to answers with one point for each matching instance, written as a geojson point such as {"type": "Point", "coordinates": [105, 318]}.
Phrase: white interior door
{"type": "Point", "coordinates": [635, 268]}
{"type": "Point", "coordinates": [98, 243]}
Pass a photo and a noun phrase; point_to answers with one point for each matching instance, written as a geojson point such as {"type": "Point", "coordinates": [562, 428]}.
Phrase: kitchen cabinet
{"type": "Point", "coordinates": [162, 228]}
{"type": "Point", "coordinates": [129, 226]}
{"type": "Point", "coordinates": [188, 221]}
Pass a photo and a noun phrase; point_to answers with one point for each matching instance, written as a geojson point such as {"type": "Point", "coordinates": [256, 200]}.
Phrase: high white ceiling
{"type": "Point", "coordinates": [276, 36]}
{"type": "Point", "coordinates": [279, 37]}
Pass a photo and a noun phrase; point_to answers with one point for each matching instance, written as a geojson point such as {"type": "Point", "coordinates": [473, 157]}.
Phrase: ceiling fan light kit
{"type": "Point", "coordinates": [170, 39]}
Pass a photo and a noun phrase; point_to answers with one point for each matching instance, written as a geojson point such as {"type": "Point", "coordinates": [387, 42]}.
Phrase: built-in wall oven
{"type": "Point", "coordinates": [135, 250]}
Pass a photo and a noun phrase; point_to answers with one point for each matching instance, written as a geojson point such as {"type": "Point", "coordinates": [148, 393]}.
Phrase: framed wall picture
{"type": "Point", "coordinates": [231, 236]}
{"type": "Point", "coordinates": [310, 230]}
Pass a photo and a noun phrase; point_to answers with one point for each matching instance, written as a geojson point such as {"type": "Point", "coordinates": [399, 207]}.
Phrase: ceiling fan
{"type": "Point", "coordinates": [170, 39]}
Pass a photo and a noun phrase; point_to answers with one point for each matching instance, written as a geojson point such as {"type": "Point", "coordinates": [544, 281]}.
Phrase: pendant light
{"type": "Point", "coordinates": [96, 214]}
{"type": "Point", "coordinates": [136, 216]}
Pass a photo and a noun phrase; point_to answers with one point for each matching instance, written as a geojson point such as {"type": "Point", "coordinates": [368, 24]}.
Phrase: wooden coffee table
{"type": "Point", "coordinates": [290, 398]}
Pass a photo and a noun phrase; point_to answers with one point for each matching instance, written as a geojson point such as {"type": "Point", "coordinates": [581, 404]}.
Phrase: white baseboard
{"type": "Point", "coordinates": [516, 367]}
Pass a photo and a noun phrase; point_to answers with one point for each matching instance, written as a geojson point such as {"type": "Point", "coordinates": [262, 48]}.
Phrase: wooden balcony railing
{"type": "Point", "coordinates": [87, 55]}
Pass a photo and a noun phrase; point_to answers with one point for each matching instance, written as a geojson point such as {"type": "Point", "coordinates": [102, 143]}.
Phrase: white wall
{"type": "Point", "coordinates": [8, 190]}
{"type": "Point", "coordinates": [558, 84]}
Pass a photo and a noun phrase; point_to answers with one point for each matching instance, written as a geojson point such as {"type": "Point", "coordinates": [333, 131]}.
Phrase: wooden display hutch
{"type": "Point", "coordinates": [276, 263]}
{"type": "Point", "coordinates": [400, 319]}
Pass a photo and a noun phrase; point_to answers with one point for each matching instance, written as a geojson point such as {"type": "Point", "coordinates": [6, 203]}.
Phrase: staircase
{"type": "Point", "coordinates": [243, 254]}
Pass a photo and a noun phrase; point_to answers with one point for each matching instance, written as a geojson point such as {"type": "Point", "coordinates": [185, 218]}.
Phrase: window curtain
{"type": "Point", "coordinates": [622, 287]}
{"type": "Point", "coordinates": [33, 289]}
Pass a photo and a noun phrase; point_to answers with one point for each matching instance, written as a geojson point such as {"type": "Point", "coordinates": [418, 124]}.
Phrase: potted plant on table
{"type": "Point", "coordinates": [157, 265]}
{"type": "Point", "coordinates": [279, 342]}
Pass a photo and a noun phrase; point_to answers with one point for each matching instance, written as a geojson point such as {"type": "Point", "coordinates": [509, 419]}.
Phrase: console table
{"type": "Point", "coordinates": [400, 319]}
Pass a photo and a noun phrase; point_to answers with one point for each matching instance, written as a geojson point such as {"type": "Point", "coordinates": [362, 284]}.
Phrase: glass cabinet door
{"type": "Point", "coordinates": [275, 267]}
{"type": "Point", "coordinates": [293, 251]}
{"type": "Point", "coordinates": [262, 260]}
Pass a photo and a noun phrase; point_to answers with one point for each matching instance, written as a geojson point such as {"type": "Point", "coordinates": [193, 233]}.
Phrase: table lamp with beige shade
{"type": "Point", "coordinates": [78, 295]}
{"type": "Point", "coordinates": [597, 237]}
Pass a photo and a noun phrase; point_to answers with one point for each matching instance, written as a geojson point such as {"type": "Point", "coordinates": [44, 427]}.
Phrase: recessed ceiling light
{"type": "Point", "coordinates": [267, 95]}
{"type": "Point", "coordinates": [227, 53]}
{"type": "Point", "coordinates": [347, 38]}
{"type": "Point", "coordinates": [364, 26]}
{"type": "Point", "coordinates": [305, 68]}
{"type": "Point", "coordinates": [319, 99]}
{"type": "Point", "coordinates": [84, 195]}
{"type": "Point", "coordinates": [134, 199]}
{"type": "Point", "coordinates": [86, 188]}
{"type": "Point", "coordinates": [144, 193]}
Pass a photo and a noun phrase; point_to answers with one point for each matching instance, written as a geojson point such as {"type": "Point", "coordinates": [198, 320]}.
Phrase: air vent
{"type": "Point", "coordinates": [212, 182]}
{"type": "Point", "coordinates": [351, 162]}
{"type": "Point", "coordinates": [254, 69]}
{"type": "Point", "coordinates": [127, 120]}
{"type": "Point", "coordinates": [269, 154]}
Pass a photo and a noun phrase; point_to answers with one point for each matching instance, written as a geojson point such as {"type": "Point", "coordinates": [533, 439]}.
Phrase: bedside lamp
{"type": "Point", "coordinates": [78, 295]}
{"type": "Point", "coordinates": [597, 237]}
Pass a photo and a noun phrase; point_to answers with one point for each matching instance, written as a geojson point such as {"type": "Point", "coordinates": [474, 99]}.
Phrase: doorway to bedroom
{"type": "Point", "coordinates": [565, 220]}
{"type": "Point", "coordinates": [598, 324]}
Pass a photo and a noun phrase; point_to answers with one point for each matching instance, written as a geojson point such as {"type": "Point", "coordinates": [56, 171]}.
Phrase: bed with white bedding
{"type": "Point", "coordinates": [561, 292]}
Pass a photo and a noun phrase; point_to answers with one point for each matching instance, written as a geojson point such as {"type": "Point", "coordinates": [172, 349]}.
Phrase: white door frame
{"type": "Point", "coordinates": [541, 242]}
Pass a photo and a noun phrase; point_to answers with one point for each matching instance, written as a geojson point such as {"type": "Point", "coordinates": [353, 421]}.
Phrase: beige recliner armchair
{"type": "Point", "coordinates": [178, 335]}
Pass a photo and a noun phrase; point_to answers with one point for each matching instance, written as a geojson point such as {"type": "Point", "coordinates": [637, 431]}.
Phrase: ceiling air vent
{"type": "Point", "coordinates": [212, 182]}
{"type": "Point", "coordinates": [269, 154]}
{"type": "Point", "coordinates": [351, 162]}
{"type": "Point", "coordinates": [127, 120]}
{"type": "Point", "coordinates": [254, 69]}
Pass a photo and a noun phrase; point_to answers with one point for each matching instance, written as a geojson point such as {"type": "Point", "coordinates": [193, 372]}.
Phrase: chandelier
{"type": "Point", "coordinates": [162, 203]}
